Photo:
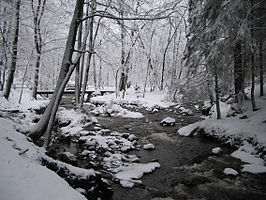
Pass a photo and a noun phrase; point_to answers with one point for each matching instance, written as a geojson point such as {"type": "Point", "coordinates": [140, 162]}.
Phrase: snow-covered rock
{"type": "Point", "coordinates": [132, 137]}
{"type": "Point", "coordinates": [168, 121]}
{"type": "Point", "coordinates": [230, 171]}
{"type": "Point", "coordinates": [115, 110]}
{"type": "Point", "coordinates": [155, 110]}
{"type": "Point", "coordinates": [216, 150]}
{"type": "Point", "coordinates": [148, 146]}
{"type": "Point", "coordinates": [130, 173]}
{"type": "Point", "coordinates": [188, 130]}
{"type": "Point", "coordinates": [206, 108]}
{"type": "Point", "coordinates": [185, 111]}
{"type": "Point", "coordinates": [68, 157]}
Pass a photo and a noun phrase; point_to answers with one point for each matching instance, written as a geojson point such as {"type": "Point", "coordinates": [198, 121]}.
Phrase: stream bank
{"type": "Point", "coordinates": [188, 169]}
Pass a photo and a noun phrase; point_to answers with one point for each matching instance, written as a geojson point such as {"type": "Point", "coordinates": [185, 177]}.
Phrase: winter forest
{"type": "Point", "coordinates": [132, 99]}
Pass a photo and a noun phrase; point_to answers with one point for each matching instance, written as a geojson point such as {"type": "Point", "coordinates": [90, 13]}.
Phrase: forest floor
{"type": "Point", "coordinates": [113, 144]}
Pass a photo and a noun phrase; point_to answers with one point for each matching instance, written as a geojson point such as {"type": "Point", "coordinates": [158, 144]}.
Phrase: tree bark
{"type": "Point", "coordinates": [123, 78]}
{"type": "Point", "coordinates": [10, 77]}
{"type": "Point", "coordinates": [36, 76]}
{"type": "Point", "coordinates": [37, 17]}
{"type": "Point", "coordinates": [91, 49]}
{"type": "Point", "coordinates": [77, 75]}
{"type": "Point", "coordinates": [252, 94]}
{"type": "Point", "coordinates": [94, 72]}
{"type": "Point", "coordinates": [238, 73]}
{"type": "Point", "coordinates": [217, 94]}
{"type": "Point", "coordinates": [261, 67]}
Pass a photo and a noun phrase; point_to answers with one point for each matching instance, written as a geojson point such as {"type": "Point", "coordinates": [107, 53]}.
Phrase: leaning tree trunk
{"type": "Point", "coordinates": [56, 104]}
{"type": "Point", "coordinates": [41, 126]}
{"type": "Point", "coordinates": [13, 65]}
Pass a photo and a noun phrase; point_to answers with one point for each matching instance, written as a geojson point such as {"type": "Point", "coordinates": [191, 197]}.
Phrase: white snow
{"type": "Point", "coordinates": [116, 110]}
{"type": "Point", "coordinates": [22, 176]}
{"type": "Point", "coordinates": [216, 150]}
{"type": "Point", "coordinates": [132, 172]}
{"type": "Point", "coordinates": [148, 146]}
{"type": "Point", "coordinates": [185, 111]}
{"type": "Point", "coordinates": [77, 120]}
{"type": "Point", "coordinates": [152, 99]}
{"type": "Point", "coordinates": [168, 120]}
{"type": "Point", "coordinates": [236, 131]}
{"type": "Point", "coordinates": [26, 102]}
{"type": "Point", "coordinates": [224, 108]}
{"type": "Point", "coordinates": [188, 130]}
{"type": "Point", "coordinates": [247, 154]}
{"type": "Point", "coordinates": [230, 171]}
{"type": "Point", "coordinates": [253, 168]}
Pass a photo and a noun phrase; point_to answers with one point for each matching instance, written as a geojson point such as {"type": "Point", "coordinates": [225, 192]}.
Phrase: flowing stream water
{"type": "Point", "coordinates": [188, 169]}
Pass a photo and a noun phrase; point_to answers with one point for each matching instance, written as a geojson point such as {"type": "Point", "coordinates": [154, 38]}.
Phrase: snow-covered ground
{"type": "Point", "coordinates": [246, 131]}
{"type": "Point", "coordinates": [22, 176]}
{"type": "Point", "coordinates": [26, 103]}
{"type": "Point", "coordinates": [154, 99]}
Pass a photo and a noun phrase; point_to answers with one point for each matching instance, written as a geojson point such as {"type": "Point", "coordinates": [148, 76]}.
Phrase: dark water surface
{"type": "Point", "coordinates": [188, 169]}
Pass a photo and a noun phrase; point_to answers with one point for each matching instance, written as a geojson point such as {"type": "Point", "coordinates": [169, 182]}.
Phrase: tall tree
{"type": "Point", "coordinates": [37, 11]}
{"type": "Point", "coordinates": [12, 69]}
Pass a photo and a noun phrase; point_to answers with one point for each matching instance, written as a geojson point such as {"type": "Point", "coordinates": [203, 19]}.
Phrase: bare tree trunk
{"type": "Point", "coordinates": [84, 42]}
{"type": "Point", "coordinates": [5, 58]}
{"type": "Point", "coordinates": [261, 67]}
{"type": "Point", "coordinates": [37, 16]}
{"type": "Point", "coordinates": [94, 72]}
{"type": "Point", "coordinates": [148, 66]}
{"type": "Point", "coordinates": [217, 94]}
{"type": "Point", "coordinates": [77, 75]}
{"type": "Point", "coordinates": [41, 126]}
{"type": "Point", "coordinates": [36, 76]}
{"type": "Point", "coordinates": [23, 79]}
{"type": "Point", "coordinates": [91, 50]}
{"type": "Point", "coordinates": [252, 95]}
{"type": "Point", "coordinates": [238, 69]}
{"type": "Point", "coordinates": [100, 86]}
{"type": "Point", "coordinates": [12, 69]}
{"type": "Point", "coordinates": [122, 84]}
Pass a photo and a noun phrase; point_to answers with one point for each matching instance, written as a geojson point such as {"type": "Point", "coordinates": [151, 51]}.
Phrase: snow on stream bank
{"type": "Point", "coordinates": [22, 176]}
{"type": "Point", "coordinates": [134, 97]}
{"type": "Point", "coordinates": [247, 131]}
